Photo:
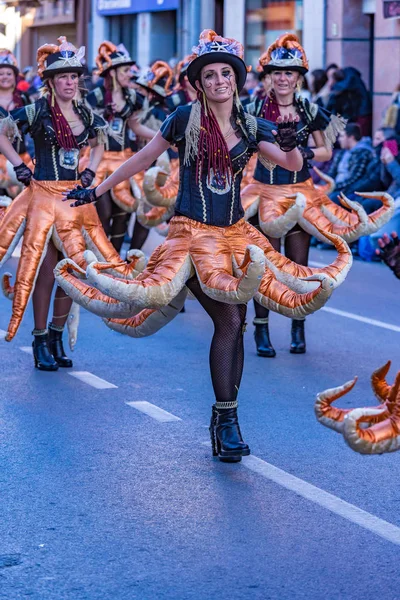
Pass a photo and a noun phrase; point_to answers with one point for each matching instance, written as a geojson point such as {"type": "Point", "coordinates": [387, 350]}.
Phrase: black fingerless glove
{"type": "Point", "coordinates": [287, 136]}
{"type": "Point", "coordinates": [307, 152]}
{"type": "Point", "coordinates": [23, 173]}
{"type": "Point", "coordinates": [82, 195]}
{"type": "Point", "coordinates": [87, 177]}
{"type": "Point", "coordinates": [390, 255]}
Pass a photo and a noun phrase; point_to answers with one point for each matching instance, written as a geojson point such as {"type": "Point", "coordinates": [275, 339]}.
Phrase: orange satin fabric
{"type": "Point", "coordinates": [211, 250]}
{"type": "Point", "coordinates": [121, 193]}
{"type": "Point", "coordinates": [39, 207]}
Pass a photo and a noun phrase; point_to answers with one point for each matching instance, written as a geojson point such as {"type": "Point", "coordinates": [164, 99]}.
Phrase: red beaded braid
{"type": "Point", "coordinates": [213, 143]}
{"type": "Point", "coordinates": [64, 135]}
{"type": "Point", "coordinates": [270, 109]}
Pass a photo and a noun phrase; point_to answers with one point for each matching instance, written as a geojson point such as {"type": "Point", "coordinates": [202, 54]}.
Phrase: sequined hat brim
{"type": "Point", "coordinates": [115, 65]}
{"type": "Point", "coordinates": [195, 67]}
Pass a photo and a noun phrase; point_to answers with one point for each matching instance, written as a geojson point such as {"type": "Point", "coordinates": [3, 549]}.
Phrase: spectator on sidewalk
{"type": "Point", "coordinates": [351, 99]}
{"type": "Point", "coordinates": [319, 90]}
{"type": "Point", "coordinates": [352, 163]}
{"type": "Point", "coordinates": [392, 115]}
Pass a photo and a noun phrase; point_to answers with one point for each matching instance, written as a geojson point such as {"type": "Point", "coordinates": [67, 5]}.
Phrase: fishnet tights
{"type": "Point", "coordinates": [297, 247]}
{"type": "Point", "coordinates": [113, 219]}
{"type": "Point", "coordinates": [42, 293]}
{"type": "Point", "coordinates": [227, 350]}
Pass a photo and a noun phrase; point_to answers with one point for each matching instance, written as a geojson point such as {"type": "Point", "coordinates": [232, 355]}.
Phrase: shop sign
{"type": "Point", "coordinates": [118, 7]}
{"type": "Point", "coordinates": [391, 9]}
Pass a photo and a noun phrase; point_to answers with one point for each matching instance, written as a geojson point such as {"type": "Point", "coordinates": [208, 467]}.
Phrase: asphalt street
{"type": "Point", "coordinates": [105, 497]}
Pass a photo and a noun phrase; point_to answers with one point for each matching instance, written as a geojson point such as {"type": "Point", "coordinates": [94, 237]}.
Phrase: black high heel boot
{"type": "Point", "coordinates": [56, 346]}
{"type": "Point", "coordinates": [261, 336]}
{"type": "Point", "coordinates": [298, 345]}
{"type": "Point", "coordinates": [226, 439]}
{"type": "Point", "coordinates": [44, 360]}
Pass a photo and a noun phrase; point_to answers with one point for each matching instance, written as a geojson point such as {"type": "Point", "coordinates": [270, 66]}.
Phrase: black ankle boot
{"type": "Point", "coordinates": [261, 336]}
{"type": "Point", "coordinates": [298, 345]}
{"type": "Point", "coordinates": [57, 348]}
{"type": "Point", "coordinates": [226, 440]}
{"type": "Point", "coordinates": [42, 356]}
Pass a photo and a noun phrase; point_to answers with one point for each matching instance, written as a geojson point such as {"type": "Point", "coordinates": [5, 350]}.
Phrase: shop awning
{"type": "Point", "coordinates": [120, 7]}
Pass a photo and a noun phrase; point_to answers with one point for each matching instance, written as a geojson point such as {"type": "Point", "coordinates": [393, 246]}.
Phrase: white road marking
{"type": "Point", "coordinates": [27, 349]}
{"type": "Point", "coordinates": [153, 411]}
{"type": "Point", "coordinates": [344, 509]}
{"type": "Point", "coordinates": [348, 315]}
{"type": "Point", "coordinates": [93, 380]}
{"type": "Point", "coordinates": [2, 334]}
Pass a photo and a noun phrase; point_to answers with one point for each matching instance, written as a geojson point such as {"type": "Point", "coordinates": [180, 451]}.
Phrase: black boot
{"type": "Point", "coordinates": [261, 336]}
{"type": "Point", "coordinates": [42, 356]}
{"type": "Point", "coordinates": [56, 346]}
{"type": "Point", "coordinates": [226, 440]}
{"type": "Point", "coordinates": [298, 345]}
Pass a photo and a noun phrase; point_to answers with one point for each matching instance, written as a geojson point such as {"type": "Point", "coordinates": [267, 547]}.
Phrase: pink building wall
{"type": "Point", "coordinates": [348, 44]}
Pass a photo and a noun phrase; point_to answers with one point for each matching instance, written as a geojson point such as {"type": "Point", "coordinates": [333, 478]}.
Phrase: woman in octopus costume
{"type": "Point", "coordinates": [155, 84]}
{"type": "Point", "coordinates": [286, 204]}
{"type": "Point", "coordinates": [210, 249]}
{"type": "Point", "coordinates": [60, 129]}
{"type": "Point", "coordinates": [120, 106]}
{"type": "Point", "coordinates": [10, 98]}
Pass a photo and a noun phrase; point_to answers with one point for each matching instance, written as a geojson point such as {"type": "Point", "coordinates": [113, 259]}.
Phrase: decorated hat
{"type": "Point", "coordinates": [286, 53]}
{"type": "Point", "coordinates": [65, 58]}
{"type": "Point", "coordinates": [7, 59]}
{"type": "Point", "coordinates": [111, 56]}
{"type": "Point", "coordinates": [213, 48]}
{"type": "Point", "coordinates": [181, 68]}
{"type": "Point", "coordinates": [157, 79]}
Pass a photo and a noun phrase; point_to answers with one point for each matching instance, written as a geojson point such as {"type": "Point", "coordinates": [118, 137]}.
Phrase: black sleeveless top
{"type": "Point", "coordinates": [208, 200]}
{"type": "Point", "coordinates": [53, 163]}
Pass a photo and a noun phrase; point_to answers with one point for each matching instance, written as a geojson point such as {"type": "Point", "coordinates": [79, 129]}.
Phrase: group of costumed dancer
{"type": "Point", "coordinates": [211, 248]}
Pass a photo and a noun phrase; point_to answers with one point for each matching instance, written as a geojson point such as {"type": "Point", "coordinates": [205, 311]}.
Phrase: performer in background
{"type": "Point", "coordinates": [121, 107]}
{"type": "Point", "coordinates": [284, 203]}
{"type": "Point", "coordinates": [60, 128]}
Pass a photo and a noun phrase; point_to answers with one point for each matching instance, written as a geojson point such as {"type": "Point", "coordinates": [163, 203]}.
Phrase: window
{"type": "Point", "coordinates": [266, 20]}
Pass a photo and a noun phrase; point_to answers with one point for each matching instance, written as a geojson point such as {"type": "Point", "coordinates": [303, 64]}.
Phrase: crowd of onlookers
{"type": "Point", "coordinates": [363, 161]}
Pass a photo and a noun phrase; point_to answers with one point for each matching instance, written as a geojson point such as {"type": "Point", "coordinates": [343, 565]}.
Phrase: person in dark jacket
{"type": "Point", "coordinates": [352, 162]}
{"type": "Point", "coordinates": [351, 99]}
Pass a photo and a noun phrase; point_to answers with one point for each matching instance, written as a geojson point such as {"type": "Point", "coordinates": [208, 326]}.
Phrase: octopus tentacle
{"type": "Point", "coordinates": [122, 196]}
{"type": "Point", "coordinates": [326, 217]}
{"type": "Point", "coordinates": [380, 437]}
{"type": "Point", "coordinates": [379, 385]}
{"type": "Point", "coordinates": [331, 416]}
{"type": "Point", "coordinates": [161, 193]}
{"type": "Point", "coordinates": [149, 321]}
{"type": "Point", "coordinates": [349, 225]}
{"type": "Point", "coordinates": [13, 225]}
{"type": "Point", "coordinates": [29, 266]}
{"type": "Point", "coordinates": [278, 218]}
{"type": "Point", "coordinates": [250, 198]}
{"type": "Point", "coordinates": [86, 295]}
{"type": "Point", "coordinates": [289, 271]}
{"type": "Point", "coordinates": [155, 216]}
{"type": "Point", "coordinates": [7, 288]}
{"type": "Point", "coordinates": [329, 186]}
{"type": "Point", "coordinates": [382, 215]}
{"type": "Point", "coordinates": [166, 273]}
